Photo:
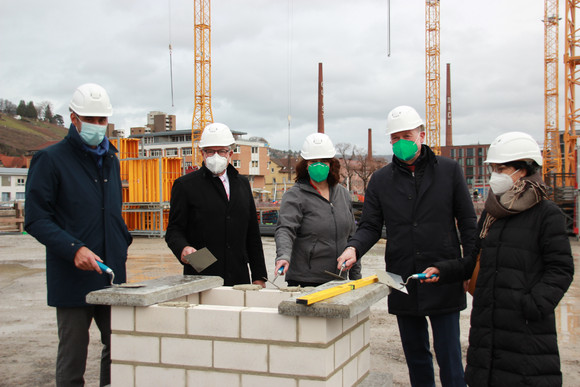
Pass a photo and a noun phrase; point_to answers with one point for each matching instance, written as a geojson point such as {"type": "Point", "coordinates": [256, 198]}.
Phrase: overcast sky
{"type": "Point", "coordinates": [265, 56]}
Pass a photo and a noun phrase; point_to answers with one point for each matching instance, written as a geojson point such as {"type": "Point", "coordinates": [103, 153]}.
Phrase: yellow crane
{"type": "Point", "coordinates": [572, 116]}
{"type": "Point", "coordinates": [202, 112]}
{"type": "Point", "coordinates": [552, 154]}
{"type": "Point", "coordinates": [432, 76]}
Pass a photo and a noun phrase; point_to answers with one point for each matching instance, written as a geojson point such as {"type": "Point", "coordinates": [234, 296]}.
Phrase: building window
{"type": "Point", "coordinates": [460, 161]}
{"type": "Point", "coordinates": [5, 196]}
{"type": "Point", "coordinates": [469, 152]}
{"type": "Point", "coordinates": [171, 152]}
{"type": "Point", "coordinates": [452, 153]}
{"type": "Point", "coordinates": [20, 181]}
{"type": "Point", "coordinates": [20, 196]}
{"type": "Point", "coordinates": [186, 151]}
{"type": "Point", "coordinates": [460, 152]}
{"type": "Point", "coordinates": [237, 149]}
{"type": "Point", "coordinates": [469, 171]}
{"type": "Point", "coordinates": [187, 164]}
{"type": "Point", "coordinates": [480, 151]}
{"type": "Point", "coordinates": [5, 181]}
{"type": "Point", "coordinates": [255, 164]}
{"type": "Point", "coordinates": [469, 161]}
{"type": "Point", "coordinates": [469, 181]}
{"type": "Point", "coordinates": [254, 149]}
{"type": "Point", "coordinates": [156, 153]}
{"type": "Point", "coordinates": [236, 163]}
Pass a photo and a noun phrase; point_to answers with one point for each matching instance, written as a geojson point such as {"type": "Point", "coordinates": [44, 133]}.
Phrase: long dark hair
{"type": "Point", "coordinates": [333, 175]}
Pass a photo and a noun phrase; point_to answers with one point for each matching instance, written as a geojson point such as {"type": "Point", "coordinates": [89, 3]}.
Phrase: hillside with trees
{"type": "Point", "coordinates": [27, 126]}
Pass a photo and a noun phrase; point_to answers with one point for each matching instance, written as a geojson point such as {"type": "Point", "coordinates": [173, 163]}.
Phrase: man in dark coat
{"type": "Point", "coordinates": [73, 207]}
{"type": "Point", "coordinates": [421, 199]}
{"type": "Point", "coordinates": [214, 207]}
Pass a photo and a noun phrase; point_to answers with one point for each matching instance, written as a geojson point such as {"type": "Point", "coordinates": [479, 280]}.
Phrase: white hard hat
{"type": "Point", "coordinates": [513, 146]}
{"type": "Point", "coordinates": [317, 146]}
{"type": "Point", "coordinates": [91, 100]}
{"type": "Point", "coordinates": [403, 118]}
{"type": "Point", "coordinates": [216, 134]}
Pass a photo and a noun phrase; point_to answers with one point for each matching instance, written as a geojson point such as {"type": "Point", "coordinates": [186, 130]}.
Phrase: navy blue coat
{"type": "Point", "coordinates": [421, 229]}
{"type": "Point", "coordinates": [202, 216]}
{"type": "Point", "coordinates": [70, 203]}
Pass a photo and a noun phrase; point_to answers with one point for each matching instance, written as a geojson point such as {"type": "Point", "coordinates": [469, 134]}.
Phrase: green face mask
{"type": "Point", "coordinates": [405, 149]}
{"type": "Point", "coordinates": [318, 171]}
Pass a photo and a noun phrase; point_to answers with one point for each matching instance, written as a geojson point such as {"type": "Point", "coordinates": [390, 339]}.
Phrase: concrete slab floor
{"type": "Point", "coordinates": [28, 326]}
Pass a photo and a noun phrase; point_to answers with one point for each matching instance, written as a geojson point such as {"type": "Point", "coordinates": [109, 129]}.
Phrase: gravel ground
{"type": "Point", "coordinates": [28, 338]}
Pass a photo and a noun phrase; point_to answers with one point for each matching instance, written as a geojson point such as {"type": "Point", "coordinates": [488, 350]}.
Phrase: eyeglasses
{"type": "Point", "coordinates": [498, 168]}
{"type": "Point", "coordinates": [221, 152]}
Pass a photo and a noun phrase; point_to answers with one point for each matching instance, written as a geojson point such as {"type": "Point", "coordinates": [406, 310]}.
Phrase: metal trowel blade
{"type": "Point", "coordinates": [394, 281]}
{"type": "Point", "coordinates": [335, 275]}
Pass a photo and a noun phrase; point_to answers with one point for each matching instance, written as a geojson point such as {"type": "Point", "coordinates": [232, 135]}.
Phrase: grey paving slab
{"type": "Point", "coordinates": [154, 291]}
{"type": "Point", "coordinates": [345, 305]}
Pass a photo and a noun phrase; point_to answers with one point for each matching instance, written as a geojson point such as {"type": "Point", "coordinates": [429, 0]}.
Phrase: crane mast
{"type": "Point", "coordinates": [552, 155]}
{"type": "Point", "coordinates": [571, 114]}
{"type": "Point", "coordinates": [202, 112]}
{"type": "Point", "coordinates": [432, 75]}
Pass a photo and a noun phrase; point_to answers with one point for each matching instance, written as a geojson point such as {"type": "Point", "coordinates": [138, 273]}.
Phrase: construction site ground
{"type": "Point", "coordinates": [28, 336]}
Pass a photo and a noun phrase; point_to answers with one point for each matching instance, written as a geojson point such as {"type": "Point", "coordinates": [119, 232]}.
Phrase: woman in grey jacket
{"type": "Point", "coordinates": [315, 219]}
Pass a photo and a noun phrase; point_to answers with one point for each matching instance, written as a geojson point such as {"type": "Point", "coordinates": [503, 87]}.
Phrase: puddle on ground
{"type": "Point", "coordinates": [10, 272]}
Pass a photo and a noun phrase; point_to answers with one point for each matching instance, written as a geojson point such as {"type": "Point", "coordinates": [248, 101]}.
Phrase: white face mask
{"type": "Point", "coordinates": [500, 182]}
{"type": "Point", "coordinates": [216, 164]}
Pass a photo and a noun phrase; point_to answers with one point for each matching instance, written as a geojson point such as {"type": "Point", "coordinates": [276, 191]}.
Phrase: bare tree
{"type": "Point", "coordinates": [366, 166]}
{"type": "Point", "coordinates": [346, 153]}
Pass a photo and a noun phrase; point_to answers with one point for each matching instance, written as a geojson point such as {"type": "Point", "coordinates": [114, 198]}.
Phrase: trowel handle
{"type": "Point", "coordinates": [104, 267]}
{"type": "Point", "coordinates": [422, 276]}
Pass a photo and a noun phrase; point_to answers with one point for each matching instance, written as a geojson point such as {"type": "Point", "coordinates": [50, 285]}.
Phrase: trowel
{"type": "Point", "coordinates": [200, 259]}
{"type": "Point", "coordinates": [106, 269]}
{"type": "Point", "coordinates": [394, 281]}
{"type": "Point", "coordinates": [339, 277]}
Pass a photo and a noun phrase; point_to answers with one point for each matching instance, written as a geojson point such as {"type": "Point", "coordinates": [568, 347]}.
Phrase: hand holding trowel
{"type": "Point", "coordinates": [395, 281]}
{"type": "Point", "coordinates": [200, 259]}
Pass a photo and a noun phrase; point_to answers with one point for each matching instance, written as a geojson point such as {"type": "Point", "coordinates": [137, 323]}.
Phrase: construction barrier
{"type": "Point", "coordinates": [147, 184]}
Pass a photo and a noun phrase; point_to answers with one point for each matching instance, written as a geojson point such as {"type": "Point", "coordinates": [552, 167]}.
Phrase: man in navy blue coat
{"type": "Point", "coordinates": [73, 207]}
{"type": "Point", "coordinates": [423, 201]}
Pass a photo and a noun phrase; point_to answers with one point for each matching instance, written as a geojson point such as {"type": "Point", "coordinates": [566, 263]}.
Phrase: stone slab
{"type": "Point", "coordinates": [154, 291]}
{"type": "Point", "coordinates": [344, 305]}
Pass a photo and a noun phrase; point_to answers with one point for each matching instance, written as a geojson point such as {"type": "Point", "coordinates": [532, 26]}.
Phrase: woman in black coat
{"type": "Point", "coordinates": [526, 266]}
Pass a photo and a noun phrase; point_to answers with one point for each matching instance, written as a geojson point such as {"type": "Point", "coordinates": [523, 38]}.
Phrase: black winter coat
{"type": "Point", "coordinates": [201, 216]}
{"type": "Point", "coordinates": [71, 203]}
{"type": "Point", "coordinates": [526, 266]}
{"type": "Point", "coordinates": [421, 229]}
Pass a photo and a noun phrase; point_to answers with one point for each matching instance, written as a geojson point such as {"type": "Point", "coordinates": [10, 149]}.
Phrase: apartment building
{"type": "Point", "coordinates": [12, 184]}
{"type": "Point", "coordinates": [471, 159]}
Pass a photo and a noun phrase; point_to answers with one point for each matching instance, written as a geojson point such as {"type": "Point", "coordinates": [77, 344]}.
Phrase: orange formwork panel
{"type": "Point", "coordinates": [147, 184]}
{"type": "Point", "coordinates": [128, 147]}
{"type": "Point", "coordinates": [149, 180]}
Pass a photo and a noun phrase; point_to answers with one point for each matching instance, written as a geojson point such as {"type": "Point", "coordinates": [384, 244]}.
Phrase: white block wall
{"type": "Point", "coordinates": [227, 337]}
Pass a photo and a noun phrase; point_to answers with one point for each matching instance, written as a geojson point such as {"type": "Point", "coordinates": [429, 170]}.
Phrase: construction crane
{"type": "Point", "coordinates": [432, 76]}
{"type": "Point", "coordinates": [552, 165]}
{"type": "Point", "coordinates": [202, 112]}
{"type": "Point", "coordinates": [572, 116]}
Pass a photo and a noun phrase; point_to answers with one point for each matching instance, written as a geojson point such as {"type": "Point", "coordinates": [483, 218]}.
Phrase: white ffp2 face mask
{"type": "Point", "coordinates": [216, 164]}
{"type": "Point", "coordinates": [500, 182]}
